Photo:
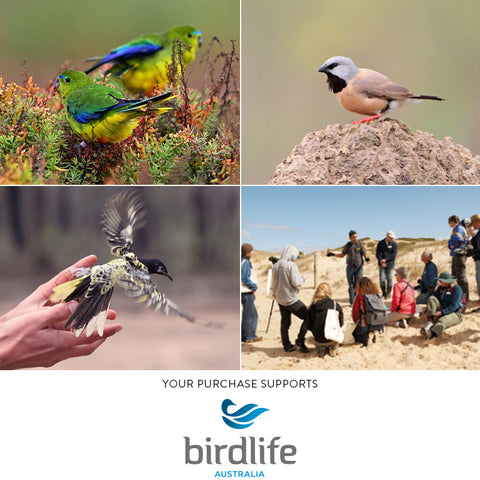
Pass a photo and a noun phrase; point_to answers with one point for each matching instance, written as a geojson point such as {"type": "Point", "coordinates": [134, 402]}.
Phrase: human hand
{"type": "Point", "coordinates": [32, 334]}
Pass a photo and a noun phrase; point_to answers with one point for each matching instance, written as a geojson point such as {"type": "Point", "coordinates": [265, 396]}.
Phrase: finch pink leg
{"type": "Point", "coordinates": [367, 119]}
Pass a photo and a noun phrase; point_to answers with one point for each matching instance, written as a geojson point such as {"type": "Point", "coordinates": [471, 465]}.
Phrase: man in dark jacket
{"type": "Point", "coordinates": [386, 254]}
{"type": "Point", "coordinates": [428, 282]}
{"type": "Point", "coordinates": [355, 252]}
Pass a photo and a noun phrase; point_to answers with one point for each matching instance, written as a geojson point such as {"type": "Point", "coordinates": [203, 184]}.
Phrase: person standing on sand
{"type": "Point", "coordinates": [475, 242]}
{"type": "Point", "coordinates": [248, 288]}
{"type": "Point", "coordinates": [456, 244]}
{"type": "Point", "coordinates": [286, 280]}
{"type": "Point", "coordinates": [355, 253]}
{"type": "Point", "coordinates": [386, 253]}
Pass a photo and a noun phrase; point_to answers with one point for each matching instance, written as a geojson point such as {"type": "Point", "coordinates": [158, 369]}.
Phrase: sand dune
{"type": "Point", "coordinates": [456, 348]}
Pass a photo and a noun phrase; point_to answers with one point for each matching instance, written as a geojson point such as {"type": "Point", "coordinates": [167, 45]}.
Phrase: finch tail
{"type": "Point", "coordinates": [428, 97]}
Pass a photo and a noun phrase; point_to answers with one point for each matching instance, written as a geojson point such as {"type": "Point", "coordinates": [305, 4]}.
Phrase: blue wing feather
{"type": "Point", "coordinates": [127, 51]}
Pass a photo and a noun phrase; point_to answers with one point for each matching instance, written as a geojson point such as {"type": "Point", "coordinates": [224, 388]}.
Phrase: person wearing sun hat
{"type": "Point", "coordinates": [444, 307]}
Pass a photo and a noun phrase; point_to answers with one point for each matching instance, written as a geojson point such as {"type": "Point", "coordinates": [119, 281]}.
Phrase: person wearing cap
{"type": "Point", "coordinates": [475, 242]}
{"type": "Point", "coordinates": [248, 288]}
{"type": "Point", "coordinates": [428, 283]}
{"type": "Point", "coordinates": [403, 300]}
{"type": "Point", "coordinates": [386, 253]}
{"type": "Point", "coordinates": [286, 280]}
{"type": "Point", "coordinates": [444, 307]}
{"type": "Point", "coordinates": [355, 253]}
{"type": "Point", "coordinates": [456, 244]}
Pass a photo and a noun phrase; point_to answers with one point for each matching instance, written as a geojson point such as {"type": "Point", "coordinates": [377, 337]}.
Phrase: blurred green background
{"type": "Point", "coordinates": [46, 34]}
{"type": "Point", "coordinates": [429, 46]}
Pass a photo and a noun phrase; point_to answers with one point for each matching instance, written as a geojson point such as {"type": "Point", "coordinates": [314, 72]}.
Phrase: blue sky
{"type": "Point", "coordinates": [318, 217]}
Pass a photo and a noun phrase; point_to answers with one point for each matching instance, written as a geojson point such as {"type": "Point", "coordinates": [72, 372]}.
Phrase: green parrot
{"type": "Point", "coordinates": [144, 63]}
{"type": "Point", "coordinates": [102, 113]}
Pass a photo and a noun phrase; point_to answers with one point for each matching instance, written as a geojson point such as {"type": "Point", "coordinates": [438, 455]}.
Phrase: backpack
{"type": "Point", "coordinates": [376, 310]}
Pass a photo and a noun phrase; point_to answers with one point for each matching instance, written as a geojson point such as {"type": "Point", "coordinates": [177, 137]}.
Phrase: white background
{"type": "Point", "coordinates": [127, 425]}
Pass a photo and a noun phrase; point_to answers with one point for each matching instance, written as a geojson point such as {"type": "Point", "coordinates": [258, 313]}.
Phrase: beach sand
{"type": "Point", "coordinates": [397, 348]}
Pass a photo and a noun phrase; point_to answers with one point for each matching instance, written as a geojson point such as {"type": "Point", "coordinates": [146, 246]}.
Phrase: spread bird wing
{"type": "Point", "coordinates": [139, 285]}
{"type": "Point", "coordinates": [121, 215]}
{"type": "Point", "coordinates": [373, 84]}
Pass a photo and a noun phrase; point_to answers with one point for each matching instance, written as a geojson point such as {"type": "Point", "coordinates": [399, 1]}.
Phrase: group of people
{"type": "Point", "coordinates": [443, 295]}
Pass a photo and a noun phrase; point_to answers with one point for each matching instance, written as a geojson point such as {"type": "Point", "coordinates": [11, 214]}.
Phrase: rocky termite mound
{"type": "Point", "coordinates": [383, 152]}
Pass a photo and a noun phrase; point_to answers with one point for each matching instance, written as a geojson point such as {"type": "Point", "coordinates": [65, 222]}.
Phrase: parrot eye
{"type": "Point", "coordinates": [189, 35]}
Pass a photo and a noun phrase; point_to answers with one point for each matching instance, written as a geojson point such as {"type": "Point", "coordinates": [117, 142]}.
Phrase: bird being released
{"type": "Point", "coordinates": [145, 63]}
{"type": "Point", "coordinates": [102, 113]}
{"type": "Point", "coordinates": [93, 287]}
{"type": "Point", "coordinates": [365, 91]}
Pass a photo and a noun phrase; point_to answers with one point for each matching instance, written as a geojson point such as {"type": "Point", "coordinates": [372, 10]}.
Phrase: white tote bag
{"type": "Point", "coordinates": [333, 331]}
{"type": "Point", "coordinates": [348, 328]}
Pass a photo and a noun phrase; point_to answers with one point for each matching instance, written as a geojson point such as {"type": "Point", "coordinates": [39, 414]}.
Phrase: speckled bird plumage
{"type": "Point", "coordinates": [93, 287]}
{"type": "Point", "coordinates": [102, 113]}
{"type": "Point", "coordinates": [144, 63]}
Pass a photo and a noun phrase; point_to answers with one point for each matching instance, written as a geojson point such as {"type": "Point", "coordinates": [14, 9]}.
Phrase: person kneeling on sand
{"type": "Point", "coordinates": [362, 331]}
{"type": "Point", "coordinates": [316, 316]}
{"type": "Point", "coordinates": [286, 280]}
{"type": "Point", "coordinates": [403, 300]}
{"type": "Point", "coordinates": [444, 307]}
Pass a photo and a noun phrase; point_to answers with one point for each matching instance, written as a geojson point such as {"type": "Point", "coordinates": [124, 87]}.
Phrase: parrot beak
{"type": "Point", "coordinates": [55, 85]}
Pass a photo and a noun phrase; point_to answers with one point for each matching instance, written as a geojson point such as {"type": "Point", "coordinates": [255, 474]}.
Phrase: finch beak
{"type": "Point", "coordinates": [166, 274]}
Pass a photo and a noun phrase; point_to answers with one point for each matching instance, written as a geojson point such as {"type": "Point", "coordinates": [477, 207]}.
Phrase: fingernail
{"type": "Point", "coordinates": [72, 306]}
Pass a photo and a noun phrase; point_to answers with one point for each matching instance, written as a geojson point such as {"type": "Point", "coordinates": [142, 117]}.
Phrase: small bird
{"type": "Point", "coordinates": [93, 287]}
{"type": "Point", "coordinates": [102, 113]}
{"type": "Point", "coordinates": [144, 63]}
{"type": "Point", "coordinates": [365, 91]}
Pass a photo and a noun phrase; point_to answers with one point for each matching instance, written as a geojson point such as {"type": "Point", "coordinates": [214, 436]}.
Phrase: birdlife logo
{"type": "Point", "coordinates": [244, 456]}
{"type": "Point", "coordinates": [243, 417]}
